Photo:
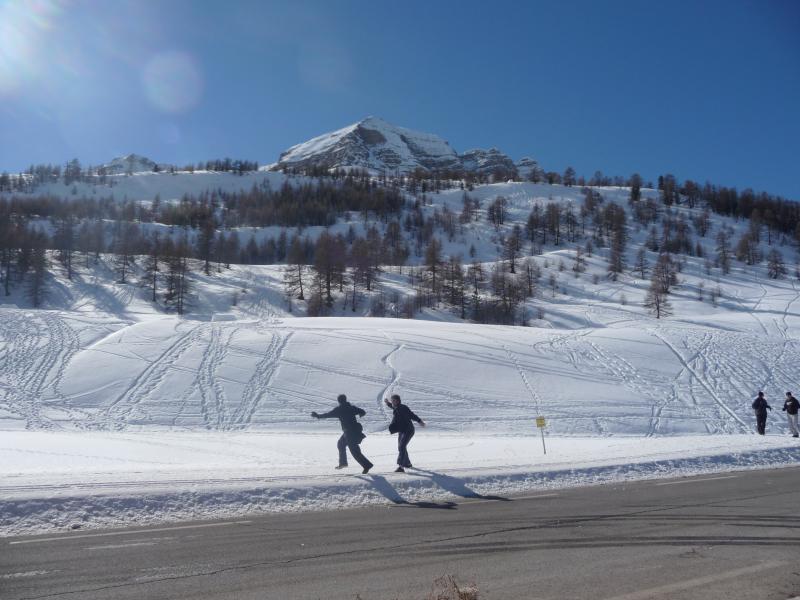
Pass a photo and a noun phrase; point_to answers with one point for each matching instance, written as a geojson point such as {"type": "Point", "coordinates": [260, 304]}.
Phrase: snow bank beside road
{"type": "Point", "coordinates": [58, 481]}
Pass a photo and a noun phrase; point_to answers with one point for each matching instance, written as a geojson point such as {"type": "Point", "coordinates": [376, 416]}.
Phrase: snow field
{"type": "Point", "coordinates": [68, 371]}
{"type": "Point", "coordinates": [113, 412]}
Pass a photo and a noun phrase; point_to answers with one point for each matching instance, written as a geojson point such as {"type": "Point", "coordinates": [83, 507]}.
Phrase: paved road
{"type": "Point", "coordinates": [733, 535]}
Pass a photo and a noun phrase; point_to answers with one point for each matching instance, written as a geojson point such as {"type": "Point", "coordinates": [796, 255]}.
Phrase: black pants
{"type": "Point", "coordinates": [403, 437]}
{"type": "Point", "coordinates": [761, 422]}
{"type": "Point", "coordinates": [355, 450]}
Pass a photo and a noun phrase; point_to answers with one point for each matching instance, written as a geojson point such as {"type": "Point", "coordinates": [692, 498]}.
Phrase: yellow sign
{"type": "Point", "coordinates": [540, 422]}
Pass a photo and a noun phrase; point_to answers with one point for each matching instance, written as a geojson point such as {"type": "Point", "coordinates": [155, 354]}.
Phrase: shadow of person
{"type": "Point", "coordinates": [382, 485]}
{"type": "Point", "coordinates": [456, 486]}
{"type": "Point", "coordinates": [388, 491]}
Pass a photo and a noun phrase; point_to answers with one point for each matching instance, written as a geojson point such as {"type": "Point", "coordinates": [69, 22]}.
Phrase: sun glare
{"type": "Point", "coordinates": [22, 27]}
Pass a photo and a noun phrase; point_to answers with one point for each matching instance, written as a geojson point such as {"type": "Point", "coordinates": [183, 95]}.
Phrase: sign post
{"type": "Point", "coordinates": [541, 424]}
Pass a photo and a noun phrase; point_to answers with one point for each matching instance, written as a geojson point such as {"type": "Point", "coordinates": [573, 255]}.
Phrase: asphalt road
{"type": "Point", "coordinates": [734, 535]}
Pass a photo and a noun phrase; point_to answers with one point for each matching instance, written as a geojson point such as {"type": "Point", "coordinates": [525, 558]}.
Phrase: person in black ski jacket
{"type": "Point", "coordinates": [402, 424]}
{"type": "Point", "coordinates": [353, 432]}
{"type": "Point", "coordinates": [760, 406]}
{"type": "Point", "coordinates": [791, 406]}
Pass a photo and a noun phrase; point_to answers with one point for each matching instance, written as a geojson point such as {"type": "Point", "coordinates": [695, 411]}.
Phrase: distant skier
{"type": "Point", "coordinates": [791, 406]}
{"type": "Point", "coordinates": [760, 406]}
{"type": "Point", "coordinates": [403, 426]}
{"type": "Point", "coordinates": [353, 432]}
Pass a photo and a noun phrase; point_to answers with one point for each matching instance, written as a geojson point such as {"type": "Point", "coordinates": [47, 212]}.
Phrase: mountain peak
{"type": "Point", "coordinates": [373, 143]}
{"type": "Point", "coordinates": [130, 163]}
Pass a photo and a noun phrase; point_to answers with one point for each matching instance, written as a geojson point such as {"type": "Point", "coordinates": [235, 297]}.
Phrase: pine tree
{"type": "Point", "coordinates": [124, 242]}
{"type": "Point", "coordinates": [433, 264]}
{"type": "Point", "coordinates": [295, 267]}
{"type": "Point", "coordinates": [513, 247]}
{"type": "Point", "coordinates": [531, 274]}
{"type": "Point", "coordinates": [641, 263]}
{"type": "Point", "coordinates": [177, 280]}
{"type": "Point", "coordinates": [64, 239]}
{"type": "Point", "coordinates": [37, 285]}
{"type": "Point", "coordinates": [475, 279]}
{"type": "Point", "coordinates": [776, 269]}
{"type": "Point", "coordinates": [657, 300]}
{"type": "Point", "coordinates": [579, 266]}
{"type": "Point", "coordinates": [151, 265]}
{"type": "Point", "coordinates": [330, 262]}
{"type": "Point", "coordinates": [724, 251]}
{"type": "Point", "coordinates": [569, 177]}
{"type": "Point", "coordinates": [454, 285]}
{"type": "Point", "coordinates": [205, 243]}
{"type": "Point", "coordinates": [665, 272]}
{"type": "Point", "coordinates": [8, 249]}
{"type": "Point", "coordinates": [636, 189]}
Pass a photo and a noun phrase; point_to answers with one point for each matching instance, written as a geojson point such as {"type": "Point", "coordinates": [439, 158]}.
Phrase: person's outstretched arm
{"type": "Point", "coordinates": [414, 417]}
{"type": "Point", "coordinates": [332, 414]}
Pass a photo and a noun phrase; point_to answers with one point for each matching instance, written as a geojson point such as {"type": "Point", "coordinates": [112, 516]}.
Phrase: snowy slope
{"type": "Point", "coordinates": [103, 371]}
{"type": "Point", "coordinates": [145, 185]}
{"type": "Point", "coordinates": [630, 376]}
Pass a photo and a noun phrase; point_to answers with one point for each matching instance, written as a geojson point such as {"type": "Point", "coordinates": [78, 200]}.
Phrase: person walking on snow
{"type": "Point", "coordinates": [760, 406]}
{"type": "Point", "coordinates": [791, 406]}
{"type": "Point", "coordinates": [402, 424]}
{"type": "Point", "coordinates": [353, 432]}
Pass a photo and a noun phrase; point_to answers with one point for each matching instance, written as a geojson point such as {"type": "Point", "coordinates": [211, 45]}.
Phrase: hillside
{"type": "Point", "coordinates": [239, 358]}
{"type": "Point", "coordinates": [155, 340]}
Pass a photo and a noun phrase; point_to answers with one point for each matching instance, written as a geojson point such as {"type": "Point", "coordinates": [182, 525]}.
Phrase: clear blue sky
{"type": "Point", "coordinates": [708, 90]}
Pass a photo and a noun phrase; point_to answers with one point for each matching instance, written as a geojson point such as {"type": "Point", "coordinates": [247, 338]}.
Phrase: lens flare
{"type": "Point", "coordinates": [173, 82]}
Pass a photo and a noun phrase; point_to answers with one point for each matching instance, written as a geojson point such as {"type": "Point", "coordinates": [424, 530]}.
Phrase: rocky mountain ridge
{"type": "Point", "coordinates": [377, 145]}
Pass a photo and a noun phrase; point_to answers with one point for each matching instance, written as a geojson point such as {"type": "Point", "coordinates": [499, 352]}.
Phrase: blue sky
{"type": "Point", "coordinates": [706, 90]}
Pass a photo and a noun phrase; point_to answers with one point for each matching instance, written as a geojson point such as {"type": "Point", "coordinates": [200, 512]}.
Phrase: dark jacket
{"type": "Point", "coordinates": [791, 405]}
{"type": "Point", "coordinates": [760, 405]}
{"type": "Point", "coordinates": [402, 420]}
{"type": "Point", "coordinates": [346, 413]}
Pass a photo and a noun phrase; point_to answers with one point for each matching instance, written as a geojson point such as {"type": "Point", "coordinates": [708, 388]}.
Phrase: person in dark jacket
{"type": "Point", "coordinates": [353, 432]}
{"type": "Point", "coordinates": [760, 406]}
{"type": "Point", "coordinates": [402, 424]}
{"type": "Point", "coordinates": [791, 406]}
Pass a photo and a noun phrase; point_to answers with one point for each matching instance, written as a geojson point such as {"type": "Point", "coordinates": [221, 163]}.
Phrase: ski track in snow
{"type": "Point", "coordinates": [34, 360]}
{"type": "Point", "coordinates": [688, 366]}
{"type": "Point", "coordinates": [395, 376]}
{"type": "Point", "coordinates": [116, 414]}
{"type": "Point", "coordinates": [260, 383]}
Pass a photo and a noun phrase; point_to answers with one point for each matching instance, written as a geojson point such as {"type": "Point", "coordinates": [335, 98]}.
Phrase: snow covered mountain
{"type": "Point", "coordinates": [526, 166]}
{"type": "Point", "coordinates": [130, 163]}
{"type": "Point", "coordinates": [374, 144]}
{"type": "Point", "coordinates": [380, 146]}
{"type": "Point", "coordinates": [486, 161]}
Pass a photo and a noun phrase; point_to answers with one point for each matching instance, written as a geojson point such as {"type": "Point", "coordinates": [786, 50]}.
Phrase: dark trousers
{"type": "Point", "coordinates": [355, 450]}
{"type": "Point", "coordinates": [403, 438]}
{"type": "Point", "coordinates": [761, 422]}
